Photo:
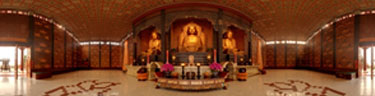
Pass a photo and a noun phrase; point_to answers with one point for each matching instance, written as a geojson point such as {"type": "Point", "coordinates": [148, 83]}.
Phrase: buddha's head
{"type": "Point", "coordinates": [192, 30]}
{"type": "Point", "coordinates": [229, 34]}
{"type": "Point", "coordinates": [154, 35]}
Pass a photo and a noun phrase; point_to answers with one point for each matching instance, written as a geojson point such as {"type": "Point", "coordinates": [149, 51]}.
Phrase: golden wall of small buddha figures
{"type": "Point", "coordinates": [191, 31]}
{"type": "Point", "coordinates": [52, 49]}
{"type": "Point", "coordinates": [101, 55]}
{"type": "Point", "coordinates": [334, 48]}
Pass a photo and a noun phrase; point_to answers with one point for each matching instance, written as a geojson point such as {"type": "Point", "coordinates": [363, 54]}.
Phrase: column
{"type": "Point", "coordinates": [134, 45]}
{"type": "Point", "coordinates": [16, 63]}
{"type": "Point", "coordinates": [22, 58]}
{"type": "Point", "coordinates": [249, 48]}
{"type": "Point", "coordinates": [372, 61]}
{"type": "Point", "coordinates": [163, 36]}
{"type": "Point", "coordinates": [219, 34]}
{"type": "Point", "coordinates": [365, 58]}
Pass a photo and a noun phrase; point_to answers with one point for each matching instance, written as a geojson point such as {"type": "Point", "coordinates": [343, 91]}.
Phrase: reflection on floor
{"type": "Point", "coordinates": [10, 74]}
{"type": "Point", "coordinates": [115, 83]}
{"type": "Point", "coordinates": [301, 88]}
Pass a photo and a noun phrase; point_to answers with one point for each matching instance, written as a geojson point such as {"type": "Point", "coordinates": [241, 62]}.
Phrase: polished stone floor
{"type": "Point", "coordinates": [277, 82]}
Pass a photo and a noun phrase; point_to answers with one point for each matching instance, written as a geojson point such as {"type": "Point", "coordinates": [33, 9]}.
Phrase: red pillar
{"type": "Point", "coordinates": [22, 62]}
{"type": "Point", "coordinates": [372, 61]}
{"type": "Point", "coordinates": [365, 58]}
{"type": "Point", "coordinates": [16, 63]}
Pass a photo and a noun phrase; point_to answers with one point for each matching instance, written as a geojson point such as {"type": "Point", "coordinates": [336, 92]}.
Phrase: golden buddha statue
{"type": "Point", "coordinates": [192, 39]}
{"type": "Point", "coordinates": [229, 43]}
{"type": "Point", "coordinates": [154, 45]}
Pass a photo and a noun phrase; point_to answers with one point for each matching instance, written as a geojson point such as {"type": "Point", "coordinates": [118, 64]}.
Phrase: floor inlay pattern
{"type": "Point", "coordinates": [92, 86]}
{"type": "Point", "coordinates": [302, 88]}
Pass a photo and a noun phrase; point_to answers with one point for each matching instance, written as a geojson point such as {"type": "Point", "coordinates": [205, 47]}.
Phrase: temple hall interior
{"type": "Point", "coordinates": [187, 47]}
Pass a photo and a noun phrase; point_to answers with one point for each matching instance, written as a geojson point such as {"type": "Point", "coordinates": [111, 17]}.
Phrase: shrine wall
{"type": "Point", "coordinates": [169, 23]}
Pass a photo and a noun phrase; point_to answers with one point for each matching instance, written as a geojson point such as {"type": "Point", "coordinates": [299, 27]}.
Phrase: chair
{"type": "Point", "coordinates": [5, 66]}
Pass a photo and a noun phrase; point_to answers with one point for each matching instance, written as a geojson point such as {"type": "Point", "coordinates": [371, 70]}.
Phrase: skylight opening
{"type": "Point", "coordinates": [286, 42]}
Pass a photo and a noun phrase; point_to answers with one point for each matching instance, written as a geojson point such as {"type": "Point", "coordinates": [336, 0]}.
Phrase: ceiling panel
{"type": "Point", "coordinates": [112, 19]}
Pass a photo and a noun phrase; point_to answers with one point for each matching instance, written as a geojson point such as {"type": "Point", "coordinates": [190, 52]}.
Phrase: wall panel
{"type": "Point", "coordinates": [269, 54]}
{"type": "Point", "coordinates": [366, 28]}
{"type": "Point", "coordinates": [317, 50]}
{"type": "Point", "coordinates": [291, 54]}
{"type": "Point", "coordinates": [327, 44]}
{"type": "Point", "coordinates": [116, 57]}
{"type": "Point", "coordinates": [17, 25]}
{"type": "Point", "coordinates": [345, 44]}
{"type": "Point", "coordinates": [69, 52]}
{"type": "Point", "coordinates": [94, 56]}
{"type": "Point", "coordinates": [42, 45]}
{"type": "Point", "coordinates": [280, 55]}
{"type": "Point", "coordinates": [58, 48]}
{"type": "Point", "coordinates": [300, 56]}
{"type": "Point", "coordinates": [104, 56]}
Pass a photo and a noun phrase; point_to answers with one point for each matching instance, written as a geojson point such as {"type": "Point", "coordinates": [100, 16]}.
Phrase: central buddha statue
{"type": "Point", "coordinates": [192, 38]}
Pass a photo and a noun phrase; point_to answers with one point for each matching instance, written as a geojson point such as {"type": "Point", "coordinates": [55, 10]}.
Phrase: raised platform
{"type": "Point", "coordinates": [250, 70]}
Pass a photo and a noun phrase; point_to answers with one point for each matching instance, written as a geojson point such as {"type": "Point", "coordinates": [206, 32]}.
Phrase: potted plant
{"type": "Point", "coordinates": [167, 68]}
{"type": "Point", "coordinates": [215, 69]}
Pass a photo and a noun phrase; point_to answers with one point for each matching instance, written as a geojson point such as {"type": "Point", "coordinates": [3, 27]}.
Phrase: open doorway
{"type": "Point", "coordinates": [367, 60]}
{"type": "Point", "coordinates": [14, 63]}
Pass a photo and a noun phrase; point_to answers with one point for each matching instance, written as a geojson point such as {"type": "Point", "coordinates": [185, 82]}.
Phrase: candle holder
{"type": "Point", "coordinates": [208, 58]}
{"type": "Point", "coordinates": [183, 70]}
{"type": "Point", "coordinates": [198, 71]}
{"type": "Point", "coordinates": [143, 61]}
{"type": "Point", "coordinates": [174, 59]}
{"type": "Point", "coordinates": [242, 61]}
{"type": "Point", "coordinates": [250, 62]}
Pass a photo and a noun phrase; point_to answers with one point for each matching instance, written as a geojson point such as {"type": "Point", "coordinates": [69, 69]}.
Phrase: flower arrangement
{"type": "Point", "coordinates": [215, 66]}
{"type": "Point", "coordinates": [167, 67]}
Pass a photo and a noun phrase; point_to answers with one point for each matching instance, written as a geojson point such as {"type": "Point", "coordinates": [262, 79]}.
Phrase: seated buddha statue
{"type": "Point", "coordinates": [154, 45]}
{"type": "Point", "coordinates": [191, 39]}
{"type": "Point", "coordinates": [229, 43]}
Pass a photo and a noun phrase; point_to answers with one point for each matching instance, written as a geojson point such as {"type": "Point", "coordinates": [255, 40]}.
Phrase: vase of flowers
{"type": "Point", "coordinates": [167, 68]}
{"type": "Point", "coordinates": [215, 69]}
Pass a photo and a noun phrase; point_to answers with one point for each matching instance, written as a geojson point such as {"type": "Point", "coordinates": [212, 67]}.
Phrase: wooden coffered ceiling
{"type": "Point", "coordinates": [112, 19]}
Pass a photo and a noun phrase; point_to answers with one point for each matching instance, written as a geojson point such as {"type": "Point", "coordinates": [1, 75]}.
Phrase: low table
{"type": "Point", "coordinates": [41, 75]}
{"type": "Point", "coordinates": [346, 75]}
{"type": "Point", "coordinates": [199, 84]}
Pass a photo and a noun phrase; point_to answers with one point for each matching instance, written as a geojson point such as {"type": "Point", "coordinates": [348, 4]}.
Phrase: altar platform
{"type": "Point", "coordinates": [251, 70]}
{"type": "Point", "coordinates": [196, 84]}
